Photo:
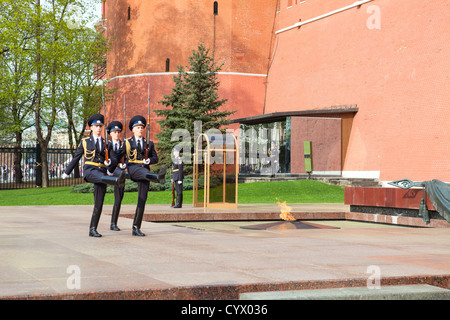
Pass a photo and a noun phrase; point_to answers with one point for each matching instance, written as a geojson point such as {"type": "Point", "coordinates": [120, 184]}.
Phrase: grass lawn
{"type": "Point", "coordinates": [300, 191]}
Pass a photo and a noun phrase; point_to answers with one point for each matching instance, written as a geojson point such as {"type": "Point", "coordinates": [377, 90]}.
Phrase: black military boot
{"type": "Point", "coordinates": [114, 218]}
{"type": "Point", "coordinates": [94, 223]}
{"type": "Point", "coordinates": [137, 222]}
{"type": "Point", "coordinates": [179, 202]}
{"type": "Point", "coordinates": [157, 178]}
{"type": "Point", "coordinates": [115, 181]}
{"type": "Point", "coordinates": [178, 205]}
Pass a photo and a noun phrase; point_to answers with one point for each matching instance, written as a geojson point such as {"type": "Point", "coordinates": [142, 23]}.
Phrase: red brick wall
{"type": "Point", "coordinates": [325, 137]}
{"type": "Point", "coordinates": [241, 34]}
{"type": "Point", "coordinates": [397, 76]}
{"type": "Point", "coordinates": [158, 30]}
{"type": "Point", "coordinates": [240, 90]}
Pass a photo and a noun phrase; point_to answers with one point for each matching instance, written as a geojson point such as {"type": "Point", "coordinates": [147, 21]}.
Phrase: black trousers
{"type": "Point", "coordinates": [94, 175]}
{"type": "Point", "coordinates": [118, 191]}
{"type": "Point", "coordinates": [137, 173]}
{"type": "Point", "coordinates": [179, 191]}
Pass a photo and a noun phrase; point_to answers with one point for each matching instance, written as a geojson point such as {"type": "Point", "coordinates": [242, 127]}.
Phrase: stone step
{"type": "Point", "coordinates": [406, 292]}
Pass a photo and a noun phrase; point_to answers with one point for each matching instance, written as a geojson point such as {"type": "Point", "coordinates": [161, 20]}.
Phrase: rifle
{"type": "Point", "coordinates": [148, 122]}
{"type": "Point", "coordinates": [106, 129]}
{"type": "Point", "coordinates": [124, 128]}
{"type": "Point", "coordinates": [173, 194]}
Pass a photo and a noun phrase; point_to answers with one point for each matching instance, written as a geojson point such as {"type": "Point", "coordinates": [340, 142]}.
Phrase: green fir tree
{"type": "Point", "coordinates": [193, 98]}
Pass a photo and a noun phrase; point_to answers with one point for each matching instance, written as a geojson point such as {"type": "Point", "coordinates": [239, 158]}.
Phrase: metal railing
{"type": "Point", "coordinates": [20, 167]}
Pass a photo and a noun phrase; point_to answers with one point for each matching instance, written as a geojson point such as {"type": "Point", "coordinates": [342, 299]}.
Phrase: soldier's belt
{"type": "Point", "coordinates": [136, 161]}
{"type": "Point", "coordinates": [97, 164]}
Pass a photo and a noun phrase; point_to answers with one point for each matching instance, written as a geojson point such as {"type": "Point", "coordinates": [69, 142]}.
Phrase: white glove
{"type": "Point", "coordinates": [64, 176]}
{"type": "Point", "coordinates": [111, 174]}
{"type": "Point", "coordinates": [180, 182]}
{"type": "Point", "coordinates": [122, 166]}
{"type": "Point", "coordinates": [107, 163]}
{"type": "Point", "coordinates": [146, 161]}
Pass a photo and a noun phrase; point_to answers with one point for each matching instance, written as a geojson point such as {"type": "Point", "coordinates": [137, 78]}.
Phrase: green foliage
{"type": "Point", "coordinates": [194, 97]}
{"type": "Point", "coordinates": [16, 68]}
{"type": "Point", "coordinates": [301, 191]}
{"type": "Point", "coordinates": [131, 186]}
{"type": "Point", "coordinates": [51, 63]}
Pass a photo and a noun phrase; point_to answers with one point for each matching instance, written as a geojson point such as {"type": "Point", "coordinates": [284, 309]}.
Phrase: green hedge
{"type": "Point", "coordinates": [131, 186]}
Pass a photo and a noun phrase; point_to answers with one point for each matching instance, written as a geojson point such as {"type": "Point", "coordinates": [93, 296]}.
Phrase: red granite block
{"type": "Point", "coordinates": [397, 220]}
{"type": "Point", "coordinates": [390, 198]}
{"type": "Point", "coordinates": [409, 199]}
{"type": "Point", "coordinates": [348, 195]}
{"type": "Point", "coordinates": [369, 196]}
{"type": "Point", "coordinates": [379, 197]}
{"type": "Point", "coordinates": [385, 197]}
{"type": "Point", "coordinates": [358, 197]}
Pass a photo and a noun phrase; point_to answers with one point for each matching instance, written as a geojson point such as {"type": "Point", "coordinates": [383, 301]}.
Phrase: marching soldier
{"type": "Point", "coordinates": [94, 169]}
{"type": "Point", "coordinates": [114, 129]}
{"type": "Point", "coordinates": [136, 148]}
{"type": "Point", "coordinates": [177, 177]}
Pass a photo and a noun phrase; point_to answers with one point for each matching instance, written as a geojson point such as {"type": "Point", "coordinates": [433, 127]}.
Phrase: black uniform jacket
{"type": "Point", "coordinates": [177, 169]}
{"type": "Point", "coordinates": [139, 155]}
{"type": "Point", "coordinates": [114, 154]}
{"type": "Point", "coordinates": [90, 157]}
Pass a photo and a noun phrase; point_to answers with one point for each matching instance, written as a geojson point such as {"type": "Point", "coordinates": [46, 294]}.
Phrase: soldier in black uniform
{"type": "Point", "coordinates": [177, 177]}
{"type": "Point", "coordinates": [138, 166]}
{"type": "Point", "coordinates": [115, 144]}
{"type": "Point", "coordinates": [94, 169]}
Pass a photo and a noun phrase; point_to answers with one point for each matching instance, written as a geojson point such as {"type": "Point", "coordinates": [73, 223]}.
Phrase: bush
{"type": "Point", "coordinates": [82, 188]}
{"type": "Point", "coordinates": [131, 186]}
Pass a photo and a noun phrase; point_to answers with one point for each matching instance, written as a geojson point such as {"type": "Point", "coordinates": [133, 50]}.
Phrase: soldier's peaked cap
{"type": "Point", "coordinates": [97, 119]}
{"type": "Point", "coordinates": [137, 121]}
{"type": "Point", "coordinates": [114, 126]}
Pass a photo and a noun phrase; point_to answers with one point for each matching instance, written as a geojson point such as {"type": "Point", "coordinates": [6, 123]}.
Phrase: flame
{"type": "Point", "coordinates": [285, 211]}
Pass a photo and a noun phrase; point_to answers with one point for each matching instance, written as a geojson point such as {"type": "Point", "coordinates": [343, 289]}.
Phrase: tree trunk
{"type": "Point", "coordinates": [44, 164]}
{"type": "Point", "coordinates": [18, 175]}
{"type": "Point", "coordinates": [71, 130]}
{"type": "Point", "coordinates": [37, 111]}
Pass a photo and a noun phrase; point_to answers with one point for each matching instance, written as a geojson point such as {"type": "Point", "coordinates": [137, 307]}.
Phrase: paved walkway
{"type": "Point", "coordinates": [45, 252]}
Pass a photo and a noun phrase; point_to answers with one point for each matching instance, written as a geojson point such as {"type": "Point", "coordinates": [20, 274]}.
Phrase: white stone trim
{"type": "Point", "coordinates": [361, 174]}
{"type": "Point", "coordinates": [175, 73]}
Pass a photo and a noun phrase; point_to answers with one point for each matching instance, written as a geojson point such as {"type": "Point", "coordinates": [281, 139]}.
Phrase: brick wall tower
{"type": "Point", "coordinates": [152, 37]}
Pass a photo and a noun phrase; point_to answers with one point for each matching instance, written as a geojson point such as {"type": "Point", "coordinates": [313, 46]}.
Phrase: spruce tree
{"type": "Point", "coordinates": [193, 98]}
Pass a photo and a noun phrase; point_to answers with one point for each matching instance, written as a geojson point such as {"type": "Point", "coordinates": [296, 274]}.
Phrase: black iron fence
{"type": "Point", "coordinates": [20, 167]}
